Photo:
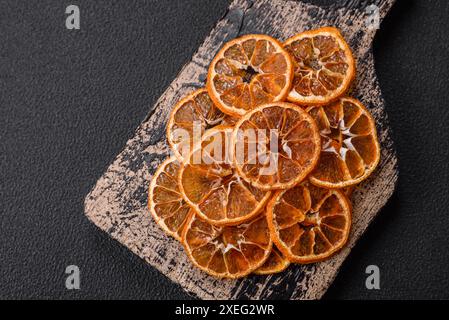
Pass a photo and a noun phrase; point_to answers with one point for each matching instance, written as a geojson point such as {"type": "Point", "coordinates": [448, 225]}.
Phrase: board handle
{"type": "Point", "coordinates": [362, 5]}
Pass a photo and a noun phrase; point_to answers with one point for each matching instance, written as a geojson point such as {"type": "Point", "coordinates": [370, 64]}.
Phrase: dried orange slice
{"type": "Point", "coordinates": [249, 71]}
{"type": "Point", "coordinates": [165, 202]}
{"type": "Point", "coordinates": [211, 185]}
{"type": "Point", "coordinates": [350, 149]}
{"type": "Point", "coordinates": [276, 146]}
{"type": "Point", "coordinates": [324, 66]}
{"type": "Point", "coordinates": [275, 263]}
{"type": "Point", "coordinates": [227, 252]}
{"type": "Point", "coordinates": [309, 223]}
{"type": "Point", "coordinates": [188, 120]}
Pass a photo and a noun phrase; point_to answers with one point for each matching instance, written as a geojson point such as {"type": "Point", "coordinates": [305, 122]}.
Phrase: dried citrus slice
{"type": "Point", "coordinates": [324, 66]}
{"type": "Point", "coordinates": [276, 146]}
{"type": "Point", "coordinates": [211, 185]}
{"type": "Point", "coordinates": [350, 149]}
{"type": "Point", "coordinates": [227, 252]}
{"type": "Point", "coordinates": [309, 223]}
{"type": "Point", "coordinates": [188, 120]}
{"type": "Point", "coordinates": [249, 71]}
{"type": "Point", "coordinates": [275, 263]}
{"type": "Point", "coordinates": [165, 202]}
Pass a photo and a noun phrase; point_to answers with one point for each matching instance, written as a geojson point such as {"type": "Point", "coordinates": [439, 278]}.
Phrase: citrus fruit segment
{"type": "Point", "coordinates": [188, 120]}
{"type": "Point", "coordinates": [227, 252]}
{"type": "Point", "coordinates": [350, 149]}
{"type": "Point", "coordinates": [324, 67]}
{"type": "Point", "coordinates": [249, 71]}
{"type": "Point", "coordinates": [309, 223]}
{"type": "Point", "coordinates": [275, 146]}
{"type": "Point", "coordinates": [274, 264]}
{"type": "Point", "coordinates": [165, 202]}
{"type": "Point", "coordinates": [211, 185]}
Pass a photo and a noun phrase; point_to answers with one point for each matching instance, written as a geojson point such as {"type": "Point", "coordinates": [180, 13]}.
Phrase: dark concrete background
{"type": "Point", "coordinates": [69, 101]}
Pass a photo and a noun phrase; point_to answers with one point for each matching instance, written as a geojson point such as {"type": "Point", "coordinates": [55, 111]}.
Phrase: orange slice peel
{"type": "Point", "coordinates": [324, 67]}
{"type": "Point", "coordinates": [275, 146]}
{"type": "Point", "coordinates": [227, 252]}
{"type": "Point", "coordinates": [166, 204]}
{"type": "Point", "coordinates": [189, 119]}
{"type": "Point", "coordinates": [249, 71]}
{"type": "Point", "coordinates": [350, 148]}
{"type": "Point", "coordinates": [309, 224]}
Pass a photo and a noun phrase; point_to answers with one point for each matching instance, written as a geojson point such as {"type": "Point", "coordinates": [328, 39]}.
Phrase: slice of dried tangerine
{"type": "Point", "coordinates": [165, 201]}
{"type": "Point", "coordinates": [211, 185]}
{"type": "Point", "coordinates": [309, 223]}
{"type": "Point", "coordinates": [189, 119]}
{"type": "Point", "coordinates": [350, 149]}
{"type": "Point", "coordinates": [249, 71]}
{"type": "Point", "coordinates": [227, 252]}
{"type": "Point", "coordinates": [275, 146]}
{"type": "Point", "coordinates": [275, 263]}
{"type": "Point", "coordinates": [324, 67]}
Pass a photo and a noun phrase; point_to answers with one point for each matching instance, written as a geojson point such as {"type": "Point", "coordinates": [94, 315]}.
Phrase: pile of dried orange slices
{"type": "Point", "coordinates": [265, 156]}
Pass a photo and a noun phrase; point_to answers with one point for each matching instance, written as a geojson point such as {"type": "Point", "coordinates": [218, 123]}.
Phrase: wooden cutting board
{"type": "Point", "coordinates": [117, 203]}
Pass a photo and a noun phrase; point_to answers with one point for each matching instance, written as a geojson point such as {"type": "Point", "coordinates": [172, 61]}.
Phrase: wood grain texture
{"type": "Point", "coordinates": [118, 202]}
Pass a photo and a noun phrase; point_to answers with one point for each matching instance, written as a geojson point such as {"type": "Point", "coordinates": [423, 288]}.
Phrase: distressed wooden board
{"type": "Point", "coordinates": [117, 203]}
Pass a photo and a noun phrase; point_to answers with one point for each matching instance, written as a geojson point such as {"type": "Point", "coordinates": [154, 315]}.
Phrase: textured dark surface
{"type": "Point", "coordinates": [69, 101]}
